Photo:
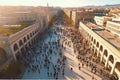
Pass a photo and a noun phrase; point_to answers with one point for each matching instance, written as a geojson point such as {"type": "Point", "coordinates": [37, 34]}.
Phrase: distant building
{"type": "Point", "coordinates": [102, 21]}
{"type": "Point", "coordinates": [114, 27]}
{"type": "Point", "coordinates": [81, 16]}
{"type": "Point", "coordinates": [77, 15]}
{"type": "Point", "coordinates": [109, 23]}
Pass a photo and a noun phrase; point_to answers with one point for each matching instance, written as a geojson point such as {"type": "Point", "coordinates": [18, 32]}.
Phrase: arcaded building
{"type": "Point", "coordinates": [104, 44]}
{"type": "Point", "coordinates": [11, 46]}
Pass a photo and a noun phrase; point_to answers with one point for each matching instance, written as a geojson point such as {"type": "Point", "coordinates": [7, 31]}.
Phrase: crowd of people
{"type": "Point", "coordinates": [47, 53]}
{"type": "Point", "coordinates": [53, 43]}
{"type": "Point", "coordinates": [85, 55]}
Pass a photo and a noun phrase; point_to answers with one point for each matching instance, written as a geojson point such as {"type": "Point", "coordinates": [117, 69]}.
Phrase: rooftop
{"type": "Point", "coordinates": [113, 39]}
{"type": "Point", "coordinates": [93, 26]}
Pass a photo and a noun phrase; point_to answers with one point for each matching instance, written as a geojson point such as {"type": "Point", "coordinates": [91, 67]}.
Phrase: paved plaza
{"type": "Point", "coordinates": [53, 58]}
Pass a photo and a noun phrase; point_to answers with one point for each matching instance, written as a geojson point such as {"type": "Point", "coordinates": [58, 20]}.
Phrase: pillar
{"type": "Point", "coordinates": [14, 56]}
{"type": "Point", "coordinates": [106, 61]}
{"type": "Point", "coordinates": [113, 67]}
{"type": "Point", "coordinates": [101, 56]}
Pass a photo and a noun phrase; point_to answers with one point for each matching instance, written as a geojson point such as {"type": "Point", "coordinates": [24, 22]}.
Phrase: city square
{"type": "Point", "coordinates": [60, 43]}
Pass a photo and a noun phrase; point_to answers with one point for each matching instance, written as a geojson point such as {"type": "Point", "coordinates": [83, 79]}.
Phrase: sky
{"type": "Point", "coordinates": [58, 3]}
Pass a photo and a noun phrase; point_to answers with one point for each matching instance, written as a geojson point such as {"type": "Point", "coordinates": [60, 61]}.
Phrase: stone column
{"type": "Point", "coordinates": [101, 56]}
{"type": "Point", "coordinates": [113, 67]}
{"type": "Point", "coordinates": [106, 61]}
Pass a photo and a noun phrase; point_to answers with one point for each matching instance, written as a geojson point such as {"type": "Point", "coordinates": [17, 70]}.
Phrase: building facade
{"type": "Point", "coordinates": [11, 47]}
{"type": "Point", "coordinates": [104, 48]}
{"type": "Point", "coordinates": [79, 15]}
{"type": "Point", "coordinates": [109, 23]}
{"type": "Point", "coordinates": [114, 27]}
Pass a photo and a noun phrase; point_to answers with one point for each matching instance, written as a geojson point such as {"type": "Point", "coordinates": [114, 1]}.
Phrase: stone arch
{"type": "Point", "coordinates": [20, 43]}
{"type": "Point", "coordinates": [111, 59]}
{"type": "Point", "coordinates": [3, 55]}
{"type": "Point", "coordinates": [105, 53]}
{"type": "Point", "coordinates": [94, 41]}
{"type": "Point", "coordinates": [101, 48]}
{"type": "Point", "coordinates": [30, 34]}
{"type": "Point", "coordinates": [28, 37]}
{"type": "Point", "coordinates": [15, 47]}
{"type": "Point", "coordinates": [95, 52]}
{"type": "Point", "coordinates": [117, 66]}
{"type": "Point", "coordinates": [24, 39]}
{"type": "Point", "coordinates": [97, 45]}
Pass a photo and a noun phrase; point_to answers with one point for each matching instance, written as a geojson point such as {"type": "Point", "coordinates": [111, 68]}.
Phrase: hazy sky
{"type": "Point", "coordinates": [61, 3]}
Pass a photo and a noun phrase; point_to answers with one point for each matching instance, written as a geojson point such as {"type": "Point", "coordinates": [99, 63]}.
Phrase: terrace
{"type": "Point", "coordinates": [113, 39]}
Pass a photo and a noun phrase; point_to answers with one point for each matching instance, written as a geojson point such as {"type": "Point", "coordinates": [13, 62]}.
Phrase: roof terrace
{"type": "Point", "coordinates": [113, 39]}
{"type": "Point", "coordinates": [93, 26]}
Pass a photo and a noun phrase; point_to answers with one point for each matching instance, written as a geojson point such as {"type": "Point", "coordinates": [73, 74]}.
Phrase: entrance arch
{"type": "Point", "coordinates": [20, 43]}
{"type": "Point", "coordinates": [111, 59]}
{"type": "Point", "coordinates": [105, 53]}
{"type": "Point", "coordinates": [117, 66]}
{"type": "Point", "coordinates": [97, 45]}
{"type": "Point", "coordinates": [115, 75]}
{"type": "Point", "coordinates": [15, 47]}
{"type": "Point", "coordinates": [101, 48]}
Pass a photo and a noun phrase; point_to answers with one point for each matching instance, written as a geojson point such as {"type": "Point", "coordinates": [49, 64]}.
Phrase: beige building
{"type": "Point", "coordinates": [16, 44]}
{"type": "Point", "coordinates": [79, 15]}
{"type": "Point", "coordinates": [104, 44]}
{"type": "Point", "coordinates": [99, 20]}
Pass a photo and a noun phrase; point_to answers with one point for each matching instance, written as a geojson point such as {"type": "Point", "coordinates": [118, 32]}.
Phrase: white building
{"type": "Point", "coordinates": [105, 45]}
